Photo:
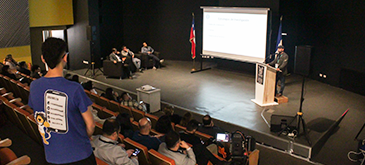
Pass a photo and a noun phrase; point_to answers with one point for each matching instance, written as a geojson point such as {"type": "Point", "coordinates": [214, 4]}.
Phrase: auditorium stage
{"type": "Point", "coordinates": [226, 96]}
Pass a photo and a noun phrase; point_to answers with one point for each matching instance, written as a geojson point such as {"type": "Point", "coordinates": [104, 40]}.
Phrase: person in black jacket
{"type": "Point", "coordinates": [23, 68]}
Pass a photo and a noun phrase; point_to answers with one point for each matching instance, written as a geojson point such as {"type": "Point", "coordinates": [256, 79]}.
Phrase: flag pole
{"type": "Point", "coordinates": [193, 69]}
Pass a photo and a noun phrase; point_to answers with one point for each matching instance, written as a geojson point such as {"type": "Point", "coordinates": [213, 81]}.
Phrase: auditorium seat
{"type": "Point", "coordinates": [7, 156]}
{"type": "Point", "coordinates": [157, 158]}
{"type": "Point", "coordinates": [88, 93]}
{"type": "Point", "coordinates": [5, 143]}
{"type": "Point", "coordinates": [7, 83]}
{"type": "Point", "coordinates": [179, 128]}
{"type": "Point", "coordinates": [23, 93]}
{"type": "Point", "coordinates": [104, 102]}
{"type": "Point", "coordinates": [100, 162]}
{"type": "Point", "coordinates": [203, 136]}
{"type": "Point", "coordinates": [125, 109]}
{"type": "Point", "coordinates": [110, 113]}
{"type": "Point", "coordinates": [27, 90]}
{"type": "Point", "coordinates": [153, 119]}
{"type": "Point", "coordinates": [143, 155]}
{"type": "Point", "coordinates": [13, 117]}
{"type": "Point", "coordinates": [94, 97]}
{"type": "Point", "coordinates": [34, 125]}
{"type": "Point", "coordinates": [2, 90]}
{"type": "Point", "coordinates": [253, 158]}
{"type": "Point", "coordinates": [98, 129]}
{"type": "Point", "coordinates": [135, 125]}
{"type": "Point", "coordinates": [137, 114]}
{"type": "Point", "coordinates": [15, 87]}
{"type": "Point", "coordinates": [154, 132]}
{"type": "Point", "coordinates": [114, 106]}
{"type": "Point", "coordinates": [22, 114]}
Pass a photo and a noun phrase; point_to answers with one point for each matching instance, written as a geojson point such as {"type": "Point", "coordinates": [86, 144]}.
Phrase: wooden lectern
{"type": "Point", "coordinates": [265, 85]}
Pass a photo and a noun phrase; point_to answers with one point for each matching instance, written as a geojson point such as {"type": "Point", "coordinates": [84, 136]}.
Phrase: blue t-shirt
{"type": "Point", "coordinates": [58, 105]}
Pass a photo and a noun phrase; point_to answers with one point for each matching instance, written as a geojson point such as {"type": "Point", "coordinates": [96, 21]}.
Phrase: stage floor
{"type": "Point", "coordinates": [226, 96]}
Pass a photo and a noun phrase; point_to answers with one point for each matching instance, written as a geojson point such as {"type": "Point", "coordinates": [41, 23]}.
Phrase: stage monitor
{"type": "Point", "coordinates": [235, 33]}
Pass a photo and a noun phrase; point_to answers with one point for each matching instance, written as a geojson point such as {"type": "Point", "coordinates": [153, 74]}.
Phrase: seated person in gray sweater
{"type": "Point", "coordinates": [177, 150]}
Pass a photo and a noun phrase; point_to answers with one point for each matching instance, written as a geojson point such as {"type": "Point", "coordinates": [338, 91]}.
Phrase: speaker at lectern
{"type": "Point", "coordinates": [265, 85]}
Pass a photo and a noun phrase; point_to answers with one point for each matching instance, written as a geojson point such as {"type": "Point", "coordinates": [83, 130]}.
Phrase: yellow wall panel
{"type": "Point", "coordinates": [20, 53]}
{"type": "Point", "coordinates": [50, 13]}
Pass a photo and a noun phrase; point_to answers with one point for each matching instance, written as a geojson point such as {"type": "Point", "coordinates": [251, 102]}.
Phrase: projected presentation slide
{"type": "Point", "coordinates": [235, 33]}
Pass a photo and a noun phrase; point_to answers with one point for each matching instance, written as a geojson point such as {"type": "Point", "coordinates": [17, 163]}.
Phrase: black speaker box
{"type": "Point", "coordinates": [302, 60]}
{"type": "Point", "coordinates": [279, 122]}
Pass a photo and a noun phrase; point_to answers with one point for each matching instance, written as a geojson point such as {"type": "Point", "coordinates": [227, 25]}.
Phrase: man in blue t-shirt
{"type": "Point", "coordinates": [62, 110]}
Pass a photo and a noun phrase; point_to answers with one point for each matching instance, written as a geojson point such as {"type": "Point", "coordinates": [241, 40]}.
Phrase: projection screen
{"type": "Point", "coordinates": [235, 33]}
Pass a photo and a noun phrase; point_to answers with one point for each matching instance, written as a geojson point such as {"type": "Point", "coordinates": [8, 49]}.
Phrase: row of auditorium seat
{"type": "Point", "coordinates": [22, 116]}
{"type": "Point", "coordinates": [8, 157]}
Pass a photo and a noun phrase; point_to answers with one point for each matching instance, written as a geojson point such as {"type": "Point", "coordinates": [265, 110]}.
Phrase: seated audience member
{"type": "Point", "coordinates": [203, 155]}
{"type": "Point", "coordinates": [110, 94]}
{"type": "Point", "coordinates": [126, 128]}
{"type": "Point", "coordinates": [209, 128]}
{"type": "Point", "coordinates": [143, 135]}
{"type": "Point", "coordinates": [107, 147]}
{"type": "Point", "coordinates": [163, 124]}
{"type": "Point", "coordinates": [148, 50]}
{"type": "Point", "coordinates": [75, 78]}
{"type": "Point", "coordinates": [11, 62]}
{"type": "Point", "coordinates": [114, 56]}
{"type": "Point", "coordinates": [89, 86]}
{"type": "Point", "coordinates": [172, 148]}
{"type": "Point", "coordinates": [137, 62]}
{"type": "Point", "coordinates": [169, 111]}
{"type": "Point", "coordinates": [185, 119]}
{"type": "Point", "coordinates": [6, 72]}
{"type": "Point", "coordinates": [23, 68]}
{"type": "Point", "coordinates": [127, 100]}
{"type": "Point", "coordinates": [36, 71]}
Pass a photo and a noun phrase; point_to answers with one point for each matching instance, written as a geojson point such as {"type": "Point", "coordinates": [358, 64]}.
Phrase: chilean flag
{"type": "Point", "coordinates": [192, 40]}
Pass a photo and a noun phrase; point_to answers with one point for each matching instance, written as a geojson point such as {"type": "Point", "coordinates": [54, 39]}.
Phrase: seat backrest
{"type": "Point", "coordinates": [34, 125]}
{"type": "Point", "coordinates": [94, 97]}
{"type": "Point", "coordinates": [98, 129]}
{"type": "Point", "coordinates": [143, 155]}
{"type": "Point", "coordinates": [88, 93]}
{"type": "Point", "coordinates": [22, 114]}
{"type": "Point", "coordinates": [6, 156]}
{"type": "Point", "coordinates": [102, 101]}
{"type": "Point", "coordinates": [137, 114]}
{"type": "Point", "coordinates": [114, 106]}
{"type": "Point", "coordinates": [203, 136]}
{"type": "Point", "coordinates": [125, 109]}
{"type": "Point", "coordinates": [179, 128]}
{"type": "Point", "coordinates": [100, 162]}
{"type": "Point", "coordinates": [253, 158]}
{"type": "Point", "coordinates": [9, 110]}
{"type": "Point", "coordinates": [153, 119]}
{"type": "Point", "coordinates": [157, 158]}
{"type": "Point", "coordinates": [14, 85]}
{"type": "Point", "coordinates": [135, 125]}
{"type": "Point", "coordinates": [23, 93]}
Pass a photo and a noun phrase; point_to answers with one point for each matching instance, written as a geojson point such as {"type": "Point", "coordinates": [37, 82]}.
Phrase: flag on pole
{"type": "Point", "coordinates": [279, 40]}
{"type": "Point", "coordinates": [192, 39]}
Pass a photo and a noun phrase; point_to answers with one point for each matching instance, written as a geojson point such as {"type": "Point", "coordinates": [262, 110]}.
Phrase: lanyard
{"type": "Point", "coordinates": [279, 57]}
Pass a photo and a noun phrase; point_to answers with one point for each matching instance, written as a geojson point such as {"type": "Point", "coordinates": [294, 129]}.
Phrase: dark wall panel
{"type": "Point", "coordinates": [14, 23]}
{"type": "Point", "coordinates": [111, 26]}
{"type": "Point", "coordinates": [79, 46]}
{"type": "Point", "coordinates": [334, 30]}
